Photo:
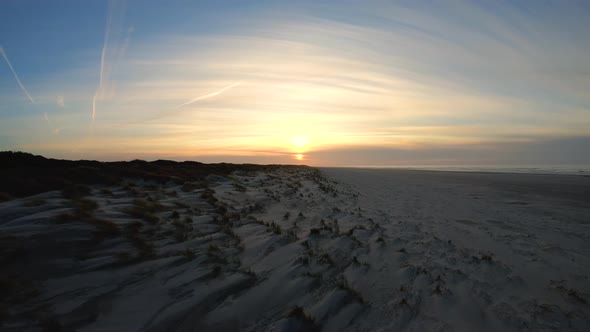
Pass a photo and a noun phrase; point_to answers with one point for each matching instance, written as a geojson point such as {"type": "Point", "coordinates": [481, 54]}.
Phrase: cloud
{"type": "Point", "coordinates": [59, 100]}
{"type": "Point", "coordinates": [555, 151]}
{"type": "Point", "coordinates": [112, 29]}
{"type": "Point", "coordinates": [210, 95]}
{"type": "Point", "coordinates": [402, 76]}
{"type": "Point", "coordinates": [54, 130]}
{"type": "Point", "coordinates": [22, 87]}
{"type": "Point", "coordinates": [103, 51]}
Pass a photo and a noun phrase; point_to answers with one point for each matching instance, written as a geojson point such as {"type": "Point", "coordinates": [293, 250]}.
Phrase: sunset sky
{"type": "Point", "coordinates": [336, 83]}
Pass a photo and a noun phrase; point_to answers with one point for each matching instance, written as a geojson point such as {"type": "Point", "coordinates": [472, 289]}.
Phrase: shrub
{"type": "Point", "coordinates": [51, 324]}
{"type": "Point", "coordinates": [85, 205]}
{"type": "Point", "coordinates": [75, 191]}
{"type": "Point", "coordinates": [297, 312]}
{"type": "Point", "coordinates": [216, 271]}
{"type": "Point", "coordinates": [189, 186]}
{"type": "Point", "coordinates": [123, 257]}
{"type": "Point", "coordinates": [133, 227]}
{"type": "Point", "coordinates": [35, 202]}
{"type": "Point", "coordinates": [212, 248]}
{"type": "Point", "coordinates": [343, 284]}
{"type": "Point", "coordinates": [188, 253]}
{"type": "Point", "coordinates": [275, 228]}
{"type": "Point", "coordinates": [145, 210]}
{"type": "Point", "coordinates": [5, 197]}
{"type": "Point", "coordinates": [239, 187]}
{"type": "Point", "coordinates": [577, 296]}
{"type": "Point", "coordinates": [145, 248]}
{"type": "Point", "coordinates": [106, 192]}
{"type": "Point", "coordinates": [103, 227]}
{"type": "Point", "coordinates": [325, 259]}
{"type": "Point", "coordinates": [249, 272]}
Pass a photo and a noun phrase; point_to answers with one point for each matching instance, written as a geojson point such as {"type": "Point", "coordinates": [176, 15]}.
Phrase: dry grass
{"type": "Point", "coordinates": [104, 228]}
{"type": "Point", "coordinates": [188, 253]}
{"type": "Point", "coordinates": [85, 205]}
{"type": "Point", "coordinates": [239, 187]}
{"type": "Point", "coordinates": [75, 191]}
{"type": "Point", "coordinates": [343, 284]}
{"type": "Point", "coordinates": [5, 197]}
{"type": "Point", "coordinates": [182, 230]}
{"type": "Point", "coordinates": [35, 202]}
{"type": "Point", "coordinates": [145, 248]}
{"type": "Point", "coordinates": [15, 290]}
{"type": "Point", "coordinates": [145, 210]}
{"type": "Point", "coordinates": [275, 228]}
{"type": "Point", "coordinates": [216, 272]}
{"type": "Point", "coordinates": [297, 312]}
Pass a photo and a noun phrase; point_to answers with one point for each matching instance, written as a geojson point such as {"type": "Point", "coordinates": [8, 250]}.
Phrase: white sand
{"type": "Point", "coordinates": [377, 250]}
{"type": "Point", "coordinates": [532, 230]}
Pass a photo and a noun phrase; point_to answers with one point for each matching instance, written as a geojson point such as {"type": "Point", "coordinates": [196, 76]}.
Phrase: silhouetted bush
{"type": "Point", "coordinates": [34, 202]}
{"type": "Point", "coordinates": [5, 197]}
{"type": "Point", "coordinates": [298, 313]}
{"type": "Point", "coordinates": [23, 174]}
{"type": "Point", "coordinates": [75, 191]}
{"type": "Point", "coordinates": [145, 210]}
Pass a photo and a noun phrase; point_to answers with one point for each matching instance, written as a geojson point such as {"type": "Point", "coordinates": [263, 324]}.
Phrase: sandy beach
{"type": "Point", "coordinates": [514, 247]}
{"type": "Point", "coordinates": [294, 166]}
{"type": "Point", "coordinates": [301, 249]}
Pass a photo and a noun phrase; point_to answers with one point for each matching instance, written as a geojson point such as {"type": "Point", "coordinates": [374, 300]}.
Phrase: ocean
{"type": "Point", "coordinates": [532, 169]}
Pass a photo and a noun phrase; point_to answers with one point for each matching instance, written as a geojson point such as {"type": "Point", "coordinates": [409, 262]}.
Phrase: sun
{"type": "Point", "coordinates": [298, 156]}
{"type": "Point", "coordinates": [299, 143]}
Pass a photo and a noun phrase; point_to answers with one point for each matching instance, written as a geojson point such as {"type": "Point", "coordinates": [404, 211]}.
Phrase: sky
{"type": "Point", "coordinates": [326, 83]}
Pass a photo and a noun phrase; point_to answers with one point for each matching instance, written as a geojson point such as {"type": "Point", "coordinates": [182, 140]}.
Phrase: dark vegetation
{"type": "Point", "coordinates": [24, 174]}
{"type": "Point", "coordinates": [309, 324]}
{"type": "Point", "coordinates": [145, 210]}
{"type": "Point", "coordinates": [82, 211]}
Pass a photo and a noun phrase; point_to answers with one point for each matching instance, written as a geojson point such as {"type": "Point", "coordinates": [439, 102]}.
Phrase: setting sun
{"type": "Point", "coordinates": [299, 143]}
{"type": "Point", "coordinates": [295, 165]}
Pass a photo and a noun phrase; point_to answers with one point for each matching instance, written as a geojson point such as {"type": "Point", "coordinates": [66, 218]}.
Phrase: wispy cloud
{"type": "Point", "coordinates": [59, 100]}
{"type": "Point", "coordinates": [22, 87]}
{"type": "Point", "coordinates": [113, 22]}
{"type": "Point", "coordinates": [210, 95]}
{"type": "Point", "coordinates": [405, 75]}
{"type": "Point", "coordinates": [105, 44]}
{"type": "Point", "coordinates": [54, 129]}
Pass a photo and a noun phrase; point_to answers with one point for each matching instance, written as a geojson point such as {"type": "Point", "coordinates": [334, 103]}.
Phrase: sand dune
{"type": "Point", "coordinates": [296, 249]}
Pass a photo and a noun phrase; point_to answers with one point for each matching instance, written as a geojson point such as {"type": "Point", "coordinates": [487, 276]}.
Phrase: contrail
{"type": "Point", "coordinates": [16, 76]}
{"type": "Point", "coordinates": [102, 57]}
{"type": "Point", "coordinates": [209, 95]}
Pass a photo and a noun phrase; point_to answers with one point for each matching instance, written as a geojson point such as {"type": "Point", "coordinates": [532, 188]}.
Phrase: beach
{"type": "Point", "coordinates": [292, 248]}
{"type": "Point", "coordinates": [517, 244]}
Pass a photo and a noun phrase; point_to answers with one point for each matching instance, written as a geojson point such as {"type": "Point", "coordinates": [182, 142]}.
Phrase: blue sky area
{"type": "Point", "coordinates": [315, 82]}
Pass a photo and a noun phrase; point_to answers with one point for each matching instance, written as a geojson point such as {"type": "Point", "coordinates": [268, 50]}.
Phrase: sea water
{"type": "Point", "coordinates": [533, 169]}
